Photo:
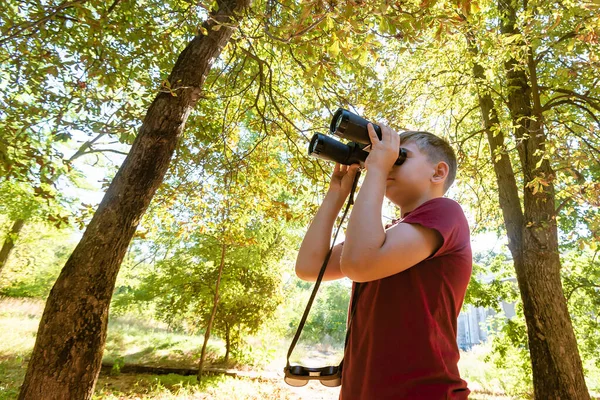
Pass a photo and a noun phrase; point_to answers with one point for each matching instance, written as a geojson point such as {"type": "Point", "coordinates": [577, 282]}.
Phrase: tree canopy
{"type": "Point", "coordinates": [511, 85]}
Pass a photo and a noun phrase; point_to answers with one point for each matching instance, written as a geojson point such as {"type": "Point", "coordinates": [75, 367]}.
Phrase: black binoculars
{"type": "Point", "coordinates": [297, 375]}
{"type": "Point", "coordinates": [352, 127]}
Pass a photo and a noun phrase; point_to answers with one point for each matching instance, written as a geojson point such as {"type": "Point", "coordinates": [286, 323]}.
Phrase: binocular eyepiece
{"type": "Point", "coordinates": [352, 127]}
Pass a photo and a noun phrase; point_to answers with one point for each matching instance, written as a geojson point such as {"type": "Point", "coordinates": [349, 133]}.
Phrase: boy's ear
{"type": "Point", "coordinates": [440, 172]}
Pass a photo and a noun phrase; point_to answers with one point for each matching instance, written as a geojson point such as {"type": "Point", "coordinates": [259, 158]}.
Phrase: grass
{"type": "Point", "coordinates": [485, 379]}
{"type": "Point", "coordinates": [131, 340]}
{"type": "Point", "coordinates": [215, 387]}
{"type": "Point", "coordinates": [19, 321]}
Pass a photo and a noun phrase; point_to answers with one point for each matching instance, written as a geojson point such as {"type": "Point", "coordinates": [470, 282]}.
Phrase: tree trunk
{"type": "Point", "coordinates": [227, 341]}
{"type": "Point", "coordinates": [508, 192]}
{"type": "Point", "coordinates": [67, 356]}
{"type": "Point", "coordinates": [557, 367]}
{"type": "Point", "coordinates": [9, 242]}
{"type": "Point", "coordinates": [532, 232]}
{"type": "Point", "coordinates": [212, 314]}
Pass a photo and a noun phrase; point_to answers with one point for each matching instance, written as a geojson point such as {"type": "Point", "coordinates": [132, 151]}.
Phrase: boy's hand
{"type": "Point", "coordinates": [342, 179]}
{"type": "Point", "coordinates": [384, 152]}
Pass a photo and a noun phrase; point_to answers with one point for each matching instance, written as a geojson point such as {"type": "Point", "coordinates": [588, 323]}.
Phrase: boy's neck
{"type": "Point", "coordinates": [410, 206]}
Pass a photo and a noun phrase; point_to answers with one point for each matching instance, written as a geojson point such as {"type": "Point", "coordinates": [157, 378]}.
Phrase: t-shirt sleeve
{"type": "Point", "coordinates": [445, 216]}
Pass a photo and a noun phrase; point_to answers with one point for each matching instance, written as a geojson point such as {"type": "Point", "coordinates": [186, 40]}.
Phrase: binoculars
{"type": "Point", "coordinates": [297, 375]}
{"type": "Point", "coordinates": [352, 127]}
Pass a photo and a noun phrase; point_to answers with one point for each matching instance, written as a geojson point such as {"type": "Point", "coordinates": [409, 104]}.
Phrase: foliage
{"type": "Point", "coordinates": [508, 339]}
{"type": "Point", "coordinates": [36, 261]}
{"type": "Point", "coordinates": [95, 79]}
{"type": "Point", "coordinates": [327, 319]}
{"type": "Point", "coordinates": [117, 365]}
{"type": "Point", "coordinates": [510, 354]}
{"type": "Point", "coordinates": [20, 201]}
{"type": "Point", "coordinates": [581, 275]}
{"type": "Point", "coordinates": [493, 281]}
{"type": "Point", "coordinates": [182, 287]}
{"type": "Point", "coordinates": [75, 78]}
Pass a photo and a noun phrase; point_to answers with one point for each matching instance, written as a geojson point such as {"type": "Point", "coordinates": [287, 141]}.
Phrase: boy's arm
{"type": "Point", "coordinates": [317, 241]}
{"type": "Point", "coordinates": [371, 253]}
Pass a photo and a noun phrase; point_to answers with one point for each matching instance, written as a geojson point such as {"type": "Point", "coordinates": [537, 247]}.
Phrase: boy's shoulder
{"type": "Point", "coordinates": [443, 202]}
{"type": "Point", "coordinates": [442, 206]}
{"type": "Point", "coordinates": [445, 216]}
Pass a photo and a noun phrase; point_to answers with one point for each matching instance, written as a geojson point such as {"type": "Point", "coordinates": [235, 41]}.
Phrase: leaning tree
{"type": "Point", "coordinates": [67, 355]}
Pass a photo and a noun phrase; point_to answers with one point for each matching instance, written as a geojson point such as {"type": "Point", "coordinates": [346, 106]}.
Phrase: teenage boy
{"type": "Point", "coordinates": [413, 275]}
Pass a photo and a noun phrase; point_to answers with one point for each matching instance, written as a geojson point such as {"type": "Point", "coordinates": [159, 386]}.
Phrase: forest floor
{"type": "Point", "coordinates": [132, 341]}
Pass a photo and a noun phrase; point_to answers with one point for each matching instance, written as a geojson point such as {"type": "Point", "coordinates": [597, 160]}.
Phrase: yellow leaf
{"type": "Point", "coordinates": [311, 71]}
{"type": "Point", "coordinates": [329, 23]}
{"type": "Point", "coordinates": [364, 57]}
{"type": "Point", "coordinates": [334, 49]}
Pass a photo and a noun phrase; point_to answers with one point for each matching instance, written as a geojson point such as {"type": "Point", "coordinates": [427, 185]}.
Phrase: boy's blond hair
{"type": "Point", "coordinates": [436, 149]}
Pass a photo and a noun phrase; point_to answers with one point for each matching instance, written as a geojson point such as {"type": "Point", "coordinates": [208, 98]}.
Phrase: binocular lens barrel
{"type": "Point", "coordinates": [327, 148]}
{"type": "Point", "coordinates": [347, 126]}
{"type": "Point", "coordinates": [352, 127]}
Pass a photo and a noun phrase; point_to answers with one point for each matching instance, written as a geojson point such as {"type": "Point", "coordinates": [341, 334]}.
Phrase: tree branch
{"type": "Point", "coordinates": [592, 101]}
{"type": "Point", "coordinates": [105, 151]}
{"type": "Point", "coordinates": [582, 285]}
{"type": "Point", "coordinates": [111, 8]}
{"type": "Point", "coordinates": [39, 22]}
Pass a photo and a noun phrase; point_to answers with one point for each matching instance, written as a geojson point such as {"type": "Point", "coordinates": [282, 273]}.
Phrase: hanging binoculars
{"type": "Point", "coordinates": [297, 375]}
{"type": "Point", "coordinates": [352, 127]}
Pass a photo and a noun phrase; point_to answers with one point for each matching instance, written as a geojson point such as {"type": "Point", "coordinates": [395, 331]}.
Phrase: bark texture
{"type": "Point", "coordinates": [532, 229]}
{"type": "Point", "coordinates": [557, 367]}
{"type": "Point", "coordinates": [9, 242]}
{"type": "Point", "coordinates": [67, 356]}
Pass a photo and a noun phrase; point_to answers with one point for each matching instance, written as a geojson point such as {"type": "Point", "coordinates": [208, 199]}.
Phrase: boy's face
{"type": "Point", "coordinates": [410, 181]}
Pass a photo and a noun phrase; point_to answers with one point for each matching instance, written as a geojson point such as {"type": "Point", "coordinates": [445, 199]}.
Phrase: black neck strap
{"type": "Point", "coordinates": [320, 277]}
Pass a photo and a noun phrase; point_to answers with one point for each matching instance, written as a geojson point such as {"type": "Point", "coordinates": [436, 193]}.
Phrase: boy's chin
{"type": "Point", "coordinates": [394, 197]}
{"type": "Point", "coordinates": [400, 197]}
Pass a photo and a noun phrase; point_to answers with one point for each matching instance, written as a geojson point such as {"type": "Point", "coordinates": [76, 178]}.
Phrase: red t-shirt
{"type": "Point", "coordinates": [402, 341]}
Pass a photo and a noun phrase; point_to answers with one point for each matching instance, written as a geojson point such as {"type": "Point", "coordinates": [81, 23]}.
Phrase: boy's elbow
{"type": "Point", "coordinates": [303, 274]}
{"type": "Point", "coordinates": [352, 268]}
